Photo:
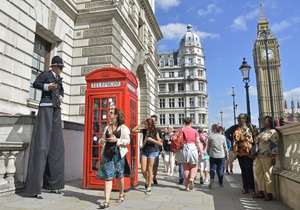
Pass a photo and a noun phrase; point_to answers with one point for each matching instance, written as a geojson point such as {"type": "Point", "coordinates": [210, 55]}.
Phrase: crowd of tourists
{"type": "Point", "coordinates": [212, 155]}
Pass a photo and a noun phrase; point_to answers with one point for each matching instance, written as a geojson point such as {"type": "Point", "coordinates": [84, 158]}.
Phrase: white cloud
{"type": "Point", "coordinates": [166, 4]}
{"type": "Point", "coordinates": [176, 30]}
{"type": "Point", "coordinates": [285, 24]}
{"type": "Point", "coordinates": [240, 23]}
{"type": "Point", "coordinates": [211, 8]}
{"type": "Point", "coordinates": [292, 94]}
{"type": "Point", "coordinates": [252, 91]}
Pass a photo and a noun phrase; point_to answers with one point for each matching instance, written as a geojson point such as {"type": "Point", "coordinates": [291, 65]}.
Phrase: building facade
{"type": "Point", "coordinates": [88, 35]}
{"type": "Point", "coordinates": [292, 113]}
{"type": "Point", "coordinates": [267, 66]}
{"type": "Point", "coordinates": [182, 84]}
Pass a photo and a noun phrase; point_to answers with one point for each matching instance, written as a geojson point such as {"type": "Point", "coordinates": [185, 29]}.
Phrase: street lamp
{"type": "Point", "coordinates": [265, 33]}
{"type": "Point", "coordinates": [221, 113]}
{"type": "Point", "coordinates": [234, 105]}
{"type": "Point", "coordinates": [245, 70]}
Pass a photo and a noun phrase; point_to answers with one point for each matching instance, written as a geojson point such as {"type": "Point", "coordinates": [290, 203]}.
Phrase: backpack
{"type": "Point", "coordinates": [178, 140]}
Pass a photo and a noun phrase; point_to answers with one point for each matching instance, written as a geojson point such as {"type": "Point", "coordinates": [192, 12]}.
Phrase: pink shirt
{"type": "Point", "coordinates": [190, 134]}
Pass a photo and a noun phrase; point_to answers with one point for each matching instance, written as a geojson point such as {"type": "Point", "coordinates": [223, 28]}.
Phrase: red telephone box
{"type": "Point", "coordinates": [108, 88]}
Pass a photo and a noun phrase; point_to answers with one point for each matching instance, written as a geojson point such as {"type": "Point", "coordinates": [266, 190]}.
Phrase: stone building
{"type": "Point", "coordinates": [267, 67]}
{"type": "Point", "coordinates": [182, 84]}
{"type": "Point", "coordinates": [88, 35]}
{"type": "Point", "coordinates": [292, 113]}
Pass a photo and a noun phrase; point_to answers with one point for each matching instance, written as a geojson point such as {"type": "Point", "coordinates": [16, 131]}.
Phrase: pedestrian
{"type": "Point", "coordinates": [203, 157]}
{"type": "Point", "coordinates": [113, 164]}
{"type": "Point", "coordinates": [46, 156]}
{"type": "Point", "coordinates": [266, 159]}
{"type": "Point", "coordinates": [188, 156]}
{"type": "Point", "coordinates": [156, 162]}
{"type": "Point", "coordinates": [169, 156]}
{"type": "Point", "coordinates": [218, 153]}
{"type": "Point", "coordinates": [149, 151]}
{"type": "Point", "coordinates": [230, 159]}
{"type": "Point", "coordinates": [242, 144]}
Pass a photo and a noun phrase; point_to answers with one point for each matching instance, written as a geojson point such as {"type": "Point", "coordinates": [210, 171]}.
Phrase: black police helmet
{"type": "Point", "coordinates": [57, 61]}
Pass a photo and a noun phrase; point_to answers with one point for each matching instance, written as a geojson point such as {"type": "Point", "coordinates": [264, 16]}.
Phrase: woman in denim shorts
{"type": "Point", "coordinates": [150, 149]}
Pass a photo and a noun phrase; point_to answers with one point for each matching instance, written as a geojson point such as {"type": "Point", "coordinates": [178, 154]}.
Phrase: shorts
{"type": "Point", "coordinates": [150, 155]}
{"type": "Point", "coordinates": [203, 165]}
{"type": "Point", "coordinates": [231, 157]}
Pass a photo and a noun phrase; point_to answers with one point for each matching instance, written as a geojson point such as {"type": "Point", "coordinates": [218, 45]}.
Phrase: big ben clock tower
{"type": "Point", "coordinates": [267, 69]}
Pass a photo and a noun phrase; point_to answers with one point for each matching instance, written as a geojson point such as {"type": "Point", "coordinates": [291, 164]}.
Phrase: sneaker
{"type": "Point", "coordinates": [148, 191]}
{"type": "Point", "coordinates": [171, 174]}
{"type": "Point", "coordinates": [206, 180]}
{"type": "Point", "coordinates": [180, 181]}
{"type": "Point", "coordinates": [211, 183]}
{"type": "Point", "coordinates": [221, 185]}
{"type": "Point", "coordinates": [227, 172]}
{"type": "Point", "coordinates": [187, 189]}
{"type": "Point", "coordinates": [201, 180]}
{"type": "Point", "coordinates": [191, 184]}
{"type": "Point", "coordinates": [146, 185]}
{"type": "Point", "coordinates": [155, 181]}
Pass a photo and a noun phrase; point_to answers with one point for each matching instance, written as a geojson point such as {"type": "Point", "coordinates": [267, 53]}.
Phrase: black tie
{"type": "Point", "coordinates": [56, 77]}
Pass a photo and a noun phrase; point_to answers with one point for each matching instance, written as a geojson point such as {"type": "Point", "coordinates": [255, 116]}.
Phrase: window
{"type": "Point", "coordinates": [192, 117]}
{"type": "Point", "coordinates": [162, 88]}
{"type": "Point", "coordinates": [181, 118]}
{"type": "Point", "coordinates": [162, 75]}
{"type": "Point", "coordinates": [162, 119]}
{"type": "Point", "coordinates": [171, 87]}
{"type": "Point", "coordinates": [199, 61]}
{"type": "Point", "coordinates": [190, 61]}
{"type": "Point", "coordinates": [180, 62]}
{"type": "Point", "coordinates": [161, 103]}
{"type": "Point", "coordinates": [180, 74]}
{"type": "Point", "coordinates": [191, 72]}
{"type": "Point", "coordinates": [171, 62]}
{"type": "Point", "coordinates": [171, 74]}
{"type": "Point", "coordinates": [201, 101]}
{"type": "Point", "coordinates": [171, 102]}
{"type": "Point", "coordinates": [200, 73]}
{"type": "Point", "coordinates": [181, 87]}
{"type": "Point", "coordinates": [202, 118]}
{"type": "Point", "coordinates": [180, 102]}
{"type": "Point", "coordinates": [162, 63]}
{"type": "Point", "coordinates": [39, 61]}
{"type": "Point", "coordinates": [171, 119]}
{"type": "Point", "coordinates": [201, 86]}
{"type": "Point", "coordinates": [191, 86]}
{"type": "Point", "coordinates": [192, 102]}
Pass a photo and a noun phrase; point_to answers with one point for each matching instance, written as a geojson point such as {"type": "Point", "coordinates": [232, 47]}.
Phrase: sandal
{"type": "Point", "coordinates": [121, 199]}
{"type": "Point", "coordinates": [104, 205]}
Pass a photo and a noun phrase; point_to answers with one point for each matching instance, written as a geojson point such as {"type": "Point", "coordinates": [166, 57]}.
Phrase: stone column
{"type": "Point", "coordinates": [11, 168]}
{"type": "Point", "coordinates": [2, 167]}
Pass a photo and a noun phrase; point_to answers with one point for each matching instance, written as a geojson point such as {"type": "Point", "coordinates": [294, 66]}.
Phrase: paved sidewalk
{"type": "Point", "coordinates": [166, 195]}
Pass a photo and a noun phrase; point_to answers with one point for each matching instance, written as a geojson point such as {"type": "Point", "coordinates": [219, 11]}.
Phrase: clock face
{"type": "Point", "coordinates": [270, 54]}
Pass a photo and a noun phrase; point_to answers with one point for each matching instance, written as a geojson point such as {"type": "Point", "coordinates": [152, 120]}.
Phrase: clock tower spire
{"type": "Point", "coordinates": [267, 65]}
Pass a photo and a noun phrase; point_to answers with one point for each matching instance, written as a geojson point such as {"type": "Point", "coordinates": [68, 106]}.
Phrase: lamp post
{"type": "Point", "coordinates": [234, 105]}
{"type": "Point", "coordinates": [245, 70]}
{"type": "Point", "coordinates": [265, 33]}
{"type": "Point", "coordinates": [221, 113]}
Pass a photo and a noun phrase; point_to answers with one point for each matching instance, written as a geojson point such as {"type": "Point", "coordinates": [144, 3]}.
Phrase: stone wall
{"type": "Point", "coordinates": [15, 137]}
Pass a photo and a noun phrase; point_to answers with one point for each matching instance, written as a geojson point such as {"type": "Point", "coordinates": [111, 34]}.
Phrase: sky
{"type": "Point", "coordinates": [227, 30]}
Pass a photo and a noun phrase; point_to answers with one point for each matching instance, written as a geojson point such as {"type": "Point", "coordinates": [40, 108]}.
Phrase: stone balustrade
{"type": "Point", "coordinates": [8, 156]}
{"type": "Point", "coordinates": [287, 174]}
